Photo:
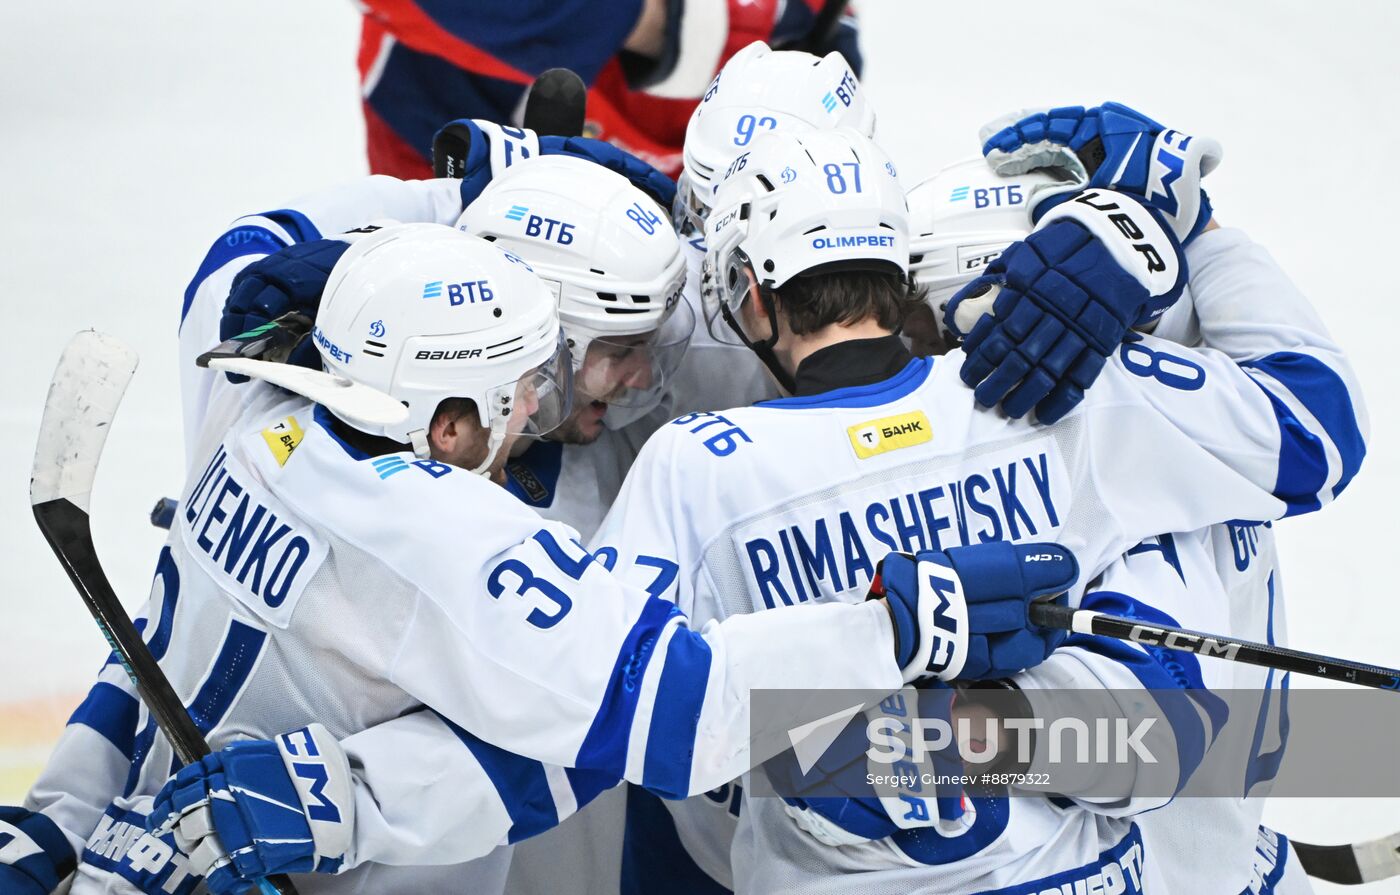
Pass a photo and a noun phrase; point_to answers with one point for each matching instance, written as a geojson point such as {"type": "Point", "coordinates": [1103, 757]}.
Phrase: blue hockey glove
{"type": "Point", "coordinates": [482, 149]}
{"type": "Point", "coordinates": [34, 854]}
{"type": "Point", "coordinates": [260, 807]}
{"type": "Point", "coordinates": [1114, 147]}
{"type": "Point", "coordinates": [837, 803]}
{"type": "Point", "coordinates": [1094, 268]}
{"type": "Point", "coordinates": [291, 279]}
{"type": "Point", "coordinates": [962, 613]}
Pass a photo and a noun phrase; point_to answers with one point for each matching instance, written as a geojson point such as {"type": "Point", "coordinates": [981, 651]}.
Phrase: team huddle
{"type": "Point", "coordinates": [660, 441]}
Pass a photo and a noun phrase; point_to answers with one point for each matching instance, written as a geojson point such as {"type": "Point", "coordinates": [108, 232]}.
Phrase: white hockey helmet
{"type": "Point", "coordinates": [759, 90]}
{"type": "Point", "coordinates": [961, 219]}
{"type": "Point", "coordinates": [799, 205]}
{"type": "Point", "coordinates": [425, 313]}
{"type": "Point", "coordinates": [608, 254]}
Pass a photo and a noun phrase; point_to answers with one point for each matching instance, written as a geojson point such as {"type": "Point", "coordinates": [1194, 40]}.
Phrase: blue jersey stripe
{"type": "Point", "coordinates": [587, 785]}
{"type": "Point", "coordinates": [1302, 461]}
{"type": "Point", "coordinates": [112, 712]}
{"type": "Point", "coordinates": [520, 782]}
{"type": "Point", "coordinates": [249, 239]}
{"type": "Point", "coordinates": [1173, 677]}
{"type": "Point", "coordinates": [232, 668]}
{"type": "Point", "coordinates": [169, 574]}
{"type": "Point", "coordinates": [240, 241]}
{"type": "Point", "coordinates": [1325, 395]}
{"type": "Point", "coordinates": [297, 225]}
{"type": "Point", "coordinates": [605, 746]}
{"type": "Point", "coordinates": [675, 715]}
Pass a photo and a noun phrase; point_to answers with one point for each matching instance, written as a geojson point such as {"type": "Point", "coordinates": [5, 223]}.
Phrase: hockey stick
{"type": "Point", "coordinates": [1351, 865]}
{"type": "Point", "coordinates": [260, 354]}
{"type": "Point", "coordinates": [822, 27]}
{"type": "Point", "coordinates": [1086, 621]}
{"type": "Point", "coordinates": [87, 387]}
{"type": "Point", "coordinates": [554, 106]}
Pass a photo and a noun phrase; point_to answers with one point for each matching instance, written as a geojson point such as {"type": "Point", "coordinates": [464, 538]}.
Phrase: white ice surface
{"type": "Point", "coordinates": [129, 135]}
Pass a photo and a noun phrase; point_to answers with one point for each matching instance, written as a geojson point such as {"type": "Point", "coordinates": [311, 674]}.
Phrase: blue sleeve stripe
{"type": "Point", "coordinates": [1174, 678]}
{"type": "Point", "coordinates": [112, 712]}
{"type": "Point", "coordinates": [1302, 461]}
{"type": "Point", "coordinates": [240, 241]}
{"type": "Point", "coordinates": [675, 715]}
{"type": "Point", "coordinates": [605, 746]}
{"type": "Point", "coordinates": [169, 574]}
{"type": "Point", "coordinates": [297, 225]}
{"type": "Point", "coordinates": [232, 668]}
{"type": "Point", "coordinates": [1325, 395]}
{"type": "Point", "coordinates": [520, 782]}
{"type": "Point", "coordinates": [587, 785]}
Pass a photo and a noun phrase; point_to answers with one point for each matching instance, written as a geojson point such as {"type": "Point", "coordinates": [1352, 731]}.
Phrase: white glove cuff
{"type": "Point", "coordinates": [1131, 233]}
{"type": "Point", "coordinates": [508, 147]}
{"type": "Point", "coordinates": [321, 773]}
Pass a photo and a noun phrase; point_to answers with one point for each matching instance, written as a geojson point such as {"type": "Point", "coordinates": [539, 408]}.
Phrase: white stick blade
{"type": "Point", "coordinates": [87, 387]}
{"type": "Point", "coordinates": [348, 400]}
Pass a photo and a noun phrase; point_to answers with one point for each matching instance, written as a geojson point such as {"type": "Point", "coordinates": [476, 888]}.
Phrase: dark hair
{"type": "Point", "coordinates": [454, 409]}
{"type": "Point", "coordinates": [810, 303]}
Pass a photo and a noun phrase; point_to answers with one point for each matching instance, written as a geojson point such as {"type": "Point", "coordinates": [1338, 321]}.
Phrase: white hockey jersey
{"type": "Point", "coordinates": [304, 581]}
{"type": "Point", "coordinates": [833, 481]}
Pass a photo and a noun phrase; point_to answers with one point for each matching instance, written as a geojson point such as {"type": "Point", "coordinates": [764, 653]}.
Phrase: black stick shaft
{"type": "Point", "coordinates": [822, 27]}
{"type": "Point", "coordinates": [1049, 615]}
{"type": "Point", "coordinates": [68, 530]}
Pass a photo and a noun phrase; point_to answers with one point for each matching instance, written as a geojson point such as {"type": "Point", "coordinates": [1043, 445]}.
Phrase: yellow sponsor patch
{"type": "Point", "coordinates": [890, 434]}
{"type": "Point", "coordinates": [282, 439]}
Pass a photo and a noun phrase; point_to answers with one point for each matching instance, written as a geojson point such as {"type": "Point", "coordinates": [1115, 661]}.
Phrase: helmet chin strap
{"type": "Point", "coordinates": [764, 349]}
{"type": "Point", "coordinates": [493, 443]}
{"type": "Point", "coordinates": [419, 439]}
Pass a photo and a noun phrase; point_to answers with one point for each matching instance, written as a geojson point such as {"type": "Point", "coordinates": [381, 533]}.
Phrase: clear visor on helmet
{"type": "Point", "coordinates": [722, 290]}
{"type": "Point", "coordinates": [537, 402]}
{"type": "Point", "coordinates": [688, 210]}
{"type": "Point", "coordinates": [633, 371]}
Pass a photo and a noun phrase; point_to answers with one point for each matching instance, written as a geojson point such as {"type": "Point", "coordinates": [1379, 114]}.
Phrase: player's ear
{"type": "Point", "coordinates": [755, 299]}
{"type": "Point", "coordinates": [451, 427]}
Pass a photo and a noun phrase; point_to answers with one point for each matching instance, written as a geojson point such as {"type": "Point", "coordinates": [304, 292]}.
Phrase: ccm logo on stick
{"type": "Point", "coordinates": [1179, 640]}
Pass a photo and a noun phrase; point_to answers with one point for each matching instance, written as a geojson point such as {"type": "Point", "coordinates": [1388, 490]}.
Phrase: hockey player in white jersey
{"type": "Point", "coordinates": [1222, 578]}
{"type": "Point", "coordinates": [758, 91]}
{"type": "Point", "coordinates": [340, 575]}
{"type": "Point", "coordinates": [895, 453]}
{"type": "Point", "coordinates": [639, 346]}
{"type": "Point", "coordinates": [1033, 505]}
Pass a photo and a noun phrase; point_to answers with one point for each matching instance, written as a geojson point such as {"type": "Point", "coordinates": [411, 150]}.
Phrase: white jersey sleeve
{"type": "Point", "coordinates": [324, 213]}
{"type": "Point", "coordinates": [90, 764]}
{"type": "Point", "coordinates": [429, 792]}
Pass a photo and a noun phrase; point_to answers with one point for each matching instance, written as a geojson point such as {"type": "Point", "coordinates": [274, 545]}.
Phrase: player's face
{"type": "Point", "coordinates": [610, 367]}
